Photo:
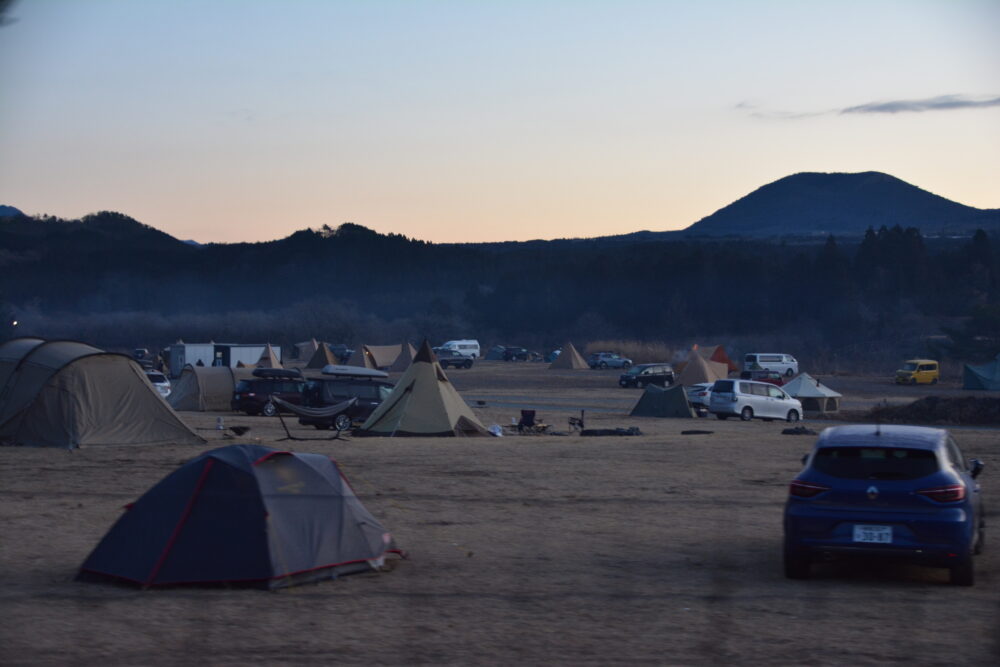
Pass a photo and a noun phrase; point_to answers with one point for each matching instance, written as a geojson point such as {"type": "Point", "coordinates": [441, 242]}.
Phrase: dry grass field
{"type": "Point", "coordinates": [658, 549]}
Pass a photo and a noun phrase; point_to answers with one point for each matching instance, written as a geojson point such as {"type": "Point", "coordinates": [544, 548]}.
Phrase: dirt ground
{"type": "Point", "coordinates": [659, 549]}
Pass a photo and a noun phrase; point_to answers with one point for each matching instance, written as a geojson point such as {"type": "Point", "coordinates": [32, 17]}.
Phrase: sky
{"type": "Point", "coordinates": [466, 121]}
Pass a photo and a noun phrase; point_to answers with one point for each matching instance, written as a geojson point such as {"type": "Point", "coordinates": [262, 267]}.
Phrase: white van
{"type": "Point", "coordinates": [747, 399]}
{"type": "Point", "coordinates": [771, 361]}
{"type": "Point", "coordinates": [467, 347]}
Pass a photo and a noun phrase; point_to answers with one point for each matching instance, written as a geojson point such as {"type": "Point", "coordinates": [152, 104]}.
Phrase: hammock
{"type": "Point", "coordinates": [329, 412]}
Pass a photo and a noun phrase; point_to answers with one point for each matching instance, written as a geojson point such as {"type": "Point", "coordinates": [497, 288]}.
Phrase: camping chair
{"type": "Point", "coordinates": [529, 424]}
{"type": "Point", "coordinates": [330, 412]}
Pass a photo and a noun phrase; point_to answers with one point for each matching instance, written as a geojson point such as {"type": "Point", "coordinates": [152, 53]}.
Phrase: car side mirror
{"type": "Point", "coordinates": [975, 467]}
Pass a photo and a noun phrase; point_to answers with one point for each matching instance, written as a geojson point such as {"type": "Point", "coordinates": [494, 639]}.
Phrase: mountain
{"type": "Point", "coordinates": [818, 204]}
{"type": "Point", "coordinates": [9, 212]}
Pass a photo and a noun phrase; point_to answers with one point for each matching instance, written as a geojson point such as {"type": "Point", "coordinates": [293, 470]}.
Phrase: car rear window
{"type": "Point", "coordinates": [875, 462]}
{"type": "Point", "coordinates": [723, 386]}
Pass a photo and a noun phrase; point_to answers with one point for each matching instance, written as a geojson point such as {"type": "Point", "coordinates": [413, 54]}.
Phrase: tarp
{"type": "Point", "coordinates": [423, 403]}
{"type": "Point", "coordinates": [206, 388]}
{"type": "Point", "coordinates": [815, 396]}
{"type": "Point", "coordinates": [569, 359]}
{"type": "Point", "coordinates": [70, 394]}
{"type": "Point", "coordinates": [659, 402]}
{"type": "Point", "coordinates": [984, 376]}
{"type": "Point", "coordinates": [698, 370]}
{"type": "Point", "coordinates": [243, 514]}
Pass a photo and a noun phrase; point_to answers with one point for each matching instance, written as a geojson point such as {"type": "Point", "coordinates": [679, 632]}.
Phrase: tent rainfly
{"type": "Point", "coordinates": [984, 376]}
{"type": "Point", "coordinates": [569, 358]}
{"type": "Point", "coordinates": [698, 370]}
{"type": "Point", "coordinates": [815, 397]}
{"type": "Point", "coordinates": [423, 403]}
{"type": "Point", "coordinates": [206, 388]}
{"type": "Point", "coordinates": [70, 394]}
{"type": "Point", "coordinates": [659, 402]}
{"type": "Point", "coordinates": [243, 514]}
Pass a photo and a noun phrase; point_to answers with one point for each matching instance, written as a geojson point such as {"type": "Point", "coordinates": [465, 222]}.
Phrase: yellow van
{"type": "Point", "coordinates": [918, 371]}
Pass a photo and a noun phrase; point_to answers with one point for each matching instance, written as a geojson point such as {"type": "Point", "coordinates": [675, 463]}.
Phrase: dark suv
{"type": "Point", "coordinates": [452, 358]}
{"type": "Point", "coordinates": [515, 354]}
{"type": "Point", "coordinates": [323, 391]}
{"type": "Point", "coordinates": [253, 395]}
{"type": "Point", "coordinates": [645, 374]}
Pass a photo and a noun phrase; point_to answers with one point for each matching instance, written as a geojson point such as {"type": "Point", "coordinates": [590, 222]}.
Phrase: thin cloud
{"type": "Point", "coordinates": [940, 103]}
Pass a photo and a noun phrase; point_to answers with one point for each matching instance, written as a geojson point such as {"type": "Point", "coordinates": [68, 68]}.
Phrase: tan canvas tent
{"type": "Point", "coordinates": [322, 357]}
{"type": "Point", "coordinates": [423, 403]}
{"type": "Point", "coordinates": [380, 357]}
{"type": "Point", "coordinates": [403, 359]}
{"type": "Point", "coordinates": [206, 389]}
{"type": "Point", "coordinates": [698, 370]}
{"type": "Point", "coordinates": [815, 396]}
{"type": "Point", "coordinates": [268, 358]}
{"type": "Point", "coordinates": [717, 353]}
{"type": "Point", "coordinates": [569, 359]}
{"type": "Point", "coordinates": [70, 394]}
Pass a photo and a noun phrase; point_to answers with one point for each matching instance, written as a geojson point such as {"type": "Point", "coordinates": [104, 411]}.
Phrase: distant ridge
{"type": "Point", "coordinates": [817, 204]}
{"type": "Point", "coordinates": [9, 211]}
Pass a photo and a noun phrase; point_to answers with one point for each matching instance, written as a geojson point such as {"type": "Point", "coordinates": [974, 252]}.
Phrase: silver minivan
{"type": "Point", "coordinates": [771, 361]}
{"type": "Point", "coordinates": [747, 399]}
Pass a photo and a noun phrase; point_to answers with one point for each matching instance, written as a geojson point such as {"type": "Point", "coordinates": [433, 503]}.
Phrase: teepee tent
{"type": "Point", "coordinates": [70, 394]}
{"type": "Point", "coordinates": [268, 358]}
{"type": "Point", "coordinates": [322, 357]}
{"type": "Point", "coordinates": [698, 370]}
{"type": "Point", "coordinates": [814, 396]}
{"type": "Point", "coordinates": [306, 349]}
{"type": "Point", "coordinates": [717, 353]}
{"type": "Point", "coordinates": [206, 388]}
{"type": "Point", "coordinates": [423, 403]}
{"type": "Point", "coordinates": [245, 515]}
{"type": "Point", "coordinates": [569, 358]}
{"type": "Point", "coordinates": [659, 402]}
{"type": "Point", "coordinates": [984, 376]}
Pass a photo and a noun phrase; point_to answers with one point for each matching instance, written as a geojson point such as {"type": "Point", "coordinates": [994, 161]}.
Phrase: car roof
{"type": "Point", "coordinates": [868, 435]}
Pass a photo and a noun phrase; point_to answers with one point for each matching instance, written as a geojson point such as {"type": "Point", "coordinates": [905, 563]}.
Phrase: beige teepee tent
{"type": "Point", "coordinates": [404, 359]}
{"type": "Point", "coordinates": [698, 370]}
{"type": "Point", "coordinates": [423, 403]}
{"type": "Point", "coordinates": [569, 358]}
{"type": "Point", "coordinates": [322, 357]}
{"type": "Point", "coordinates": [268, 358]}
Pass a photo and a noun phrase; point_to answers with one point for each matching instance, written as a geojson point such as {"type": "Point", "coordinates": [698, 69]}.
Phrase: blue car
{"type": "Point", "coordinates": [895, 491]}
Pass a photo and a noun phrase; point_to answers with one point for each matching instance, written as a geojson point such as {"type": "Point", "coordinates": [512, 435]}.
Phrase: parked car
{"type": "Point", "coordinates": [467, 346]}
{"type": "Point", "coordinates": [885, 491]}
{"type": "Point", "coordinates": [641, 375]}
{"type": "Point", "coordinates": [340, 383]}
{"type": "Point", "coordinates": [771, 361]}
{"type": "Point", "coordinates": [919, 371]}
{"type": "Point", "coordinates": [515, 354]}
{"type": "Point", "coordinates": [253, 395]}
{"type": "Point", "coordinates": [160, 381]}
{"type": "Point", "coordinates": [774, 377]}
{"type": "Point", "coordinates": [608, 360]}
{"type": "Point", "coordinates": [453, 359]}
{"type": "Point", "coordinates": [747, 399]}
{"type": "Point", "coordinates": [699, 395]}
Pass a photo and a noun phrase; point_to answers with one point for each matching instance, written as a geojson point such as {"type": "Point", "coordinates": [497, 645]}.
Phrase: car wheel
{"type": "Point", "coordinates": [721, 416]}
{"type": "Point", "coordinates": [963, 572]}
{"type": "Point", "coordinates": [793, 415]}
{"type": "Point", "coordinates": [468, 364]}
{"type": "Point", "coordinates": [342, 422]}
{"type": "Point", "coordinates": [746, 414]}
{"type": "Point", "coordinates": [626, 365]}
{"type": "Point", "coordinates": [796, 564]}
{"type": "Point", "coordinates": [269, 409]}
{"type": "Point", "coordinates": [789, 373]}
{"type": "Point", "coordinates": [913, 380]}
{"type": "Point", "coordinates": [603, 364]}
{"type": "Point", "coordinates": [934, 381]}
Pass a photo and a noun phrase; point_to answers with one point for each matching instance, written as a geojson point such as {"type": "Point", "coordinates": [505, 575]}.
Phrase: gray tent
{"type": "Point", "coordinates": [70, 394]}
{"type": "Point", "coordinates": [814, 396]}
{"type": "Point", "coordinates": [206, 388]}
{"type": "Point", "coordinates": [659, 402]}
{"type": "Point", "coordinates": [985, 376]}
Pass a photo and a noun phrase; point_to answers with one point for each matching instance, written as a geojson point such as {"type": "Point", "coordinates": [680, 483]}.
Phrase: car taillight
{"type": "Point", "coordinates": [801, 489]}
{"type": "Point", "coordinates": [944, 494]}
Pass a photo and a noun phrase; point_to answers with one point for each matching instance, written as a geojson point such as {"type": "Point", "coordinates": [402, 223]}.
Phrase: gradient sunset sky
{"type": "Point", "coordinates": [226, 121]}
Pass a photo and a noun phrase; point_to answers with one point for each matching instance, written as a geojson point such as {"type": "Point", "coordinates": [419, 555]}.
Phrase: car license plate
{"type": "Point", "coordinates": [873, 534]}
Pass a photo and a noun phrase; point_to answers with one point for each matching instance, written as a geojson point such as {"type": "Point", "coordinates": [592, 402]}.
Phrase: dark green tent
{"type": "Point", "coordinates": [659, 402]}
{"type": "Point", "coordinates": [986, 376]}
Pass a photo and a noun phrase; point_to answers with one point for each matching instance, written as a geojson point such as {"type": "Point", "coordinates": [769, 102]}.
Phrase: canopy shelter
{"type": "Point", "coordinates": [984, 376]}
{"type": "Point", "coordinates": [423, 403]}
{"type": "Point", "coordinates": [698, 370]}
{"type": "Point", "coordinates": [814, 395]}
{"type": "Point", "coordinates": [659, 402]}
{"type": "Point", "coordinates": [206, 388]}
{"type": "Point", "coordinates": [247, 515]}
{"type": "Point", "coordinates": [70, 394]}
{"type": "Point", "coordinates": [569, 359]}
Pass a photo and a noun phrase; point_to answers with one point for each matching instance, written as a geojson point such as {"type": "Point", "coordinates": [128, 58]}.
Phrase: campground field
{"type": "Point", "coordinates": [662, 548]}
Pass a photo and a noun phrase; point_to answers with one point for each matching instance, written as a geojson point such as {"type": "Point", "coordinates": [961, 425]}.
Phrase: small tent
{"type": "Point", "coordinates": [717, 353]}
{"type": "Point", "coordinates": [269, 358]}
{"type": "Point", "coordinates": [323, 356]}
{"type": "Point", "coordinates": [243, 514]}
{"type": "Point", "coordinates": [698, 370]}
{"type": "Point", "coordinates": [69, 394]}
{"type": "Point", "coordinates": [206, 388]}
{"type": "Point", "coordinates": [984, 376]}
{"type": "Point", "coordinates": [814, 396]}
{"type": "Point", "coordinates": [423, 403]}
{"type": "Point", "coordinates": [569, 358]}
{"type": "Point", "coordinates": [659, 402]}
{"type": "Point", "coordinates": [404, 359]}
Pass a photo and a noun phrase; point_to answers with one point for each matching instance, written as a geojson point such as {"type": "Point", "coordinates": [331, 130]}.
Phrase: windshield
{"type": "Point", "coordinates": [909, 366]}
